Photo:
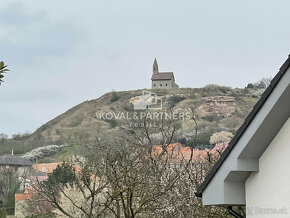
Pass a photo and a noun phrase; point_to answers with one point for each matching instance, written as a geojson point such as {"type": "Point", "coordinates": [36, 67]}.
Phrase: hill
{"type": "Point", "coordinates": [216, 108]}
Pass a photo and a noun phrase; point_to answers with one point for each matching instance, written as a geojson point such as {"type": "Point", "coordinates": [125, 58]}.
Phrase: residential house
{"type": "Point", "coordinates": [28, 203]}
{"type": "Point", "coordinates": [15, 163]}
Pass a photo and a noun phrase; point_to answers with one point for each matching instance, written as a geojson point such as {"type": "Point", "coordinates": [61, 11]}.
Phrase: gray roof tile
{"type": "Point", "coordinates": [14, 160]}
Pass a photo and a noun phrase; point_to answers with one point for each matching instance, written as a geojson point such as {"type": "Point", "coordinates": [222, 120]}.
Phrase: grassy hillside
{"type": "Point", "coordinates": [216, 108]}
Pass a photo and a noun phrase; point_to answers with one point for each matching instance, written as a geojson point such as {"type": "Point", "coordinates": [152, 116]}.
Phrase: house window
{"type": "Point", "coordinates": [7, 166]}
{"type": "Point", "coordinates": [44, 169]}
{"type": "Point", "coordinates": [160, 84]}
{"type": "Point", "coordinates": [166, 84]}
{"type": "Point", "coordinates": [154, 85]}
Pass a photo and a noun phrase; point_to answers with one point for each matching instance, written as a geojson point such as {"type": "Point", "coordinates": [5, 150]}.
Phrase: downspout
{"type": "Point", "coordinates": [234, 213]}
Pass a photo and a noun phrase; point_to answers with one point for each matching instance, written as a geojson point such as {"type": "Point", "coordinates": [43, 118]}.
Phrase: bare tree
{"type": "Point", "coordinates": [11, 180]}
{"type": "Point", "coordinates": [3, 136]}
{"type": "Point", "coordinates": [80, 197]}
{"type": "Point", "coordinates": [138, 173]}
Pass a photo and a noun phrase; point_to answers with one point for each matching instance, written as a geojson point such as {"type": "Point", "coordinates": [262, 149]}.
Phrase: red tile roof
{"type": "Point", "coordinates": [48, 167]}
{"type": "Point", "coordinates": [28, 194]}
{"type": "Point", "coordinates": [179, 152]}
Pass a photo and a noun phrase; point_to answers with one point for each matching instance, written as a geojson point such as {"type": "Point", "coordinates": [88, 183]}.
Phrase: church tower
{"type": "Point", "coordinates": [162, 80]}
{"type": "Point", "coordinates": [155, 67]}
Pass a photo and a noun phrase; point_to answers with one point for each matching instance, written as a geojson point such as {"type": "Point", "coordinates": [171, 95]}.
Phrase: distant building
{"type": "Point", "coordinates": [15, 163]}
{"type": "Point", "coordinates": [148, 100]}
{"type": "Point", "coordinates": [162, 80]}
{"type": "Point", "coordinates": [46, 168]}
{"type": "Point", "coordinates": [28, 204]}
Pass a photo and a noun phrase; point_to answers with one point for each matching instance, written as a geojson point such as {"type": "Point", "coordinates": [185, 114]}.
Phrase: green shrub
{"type": "Point", "coordinates": [20, 136]}
{"type": "Point", "coordinates": [10, 202]}
{"type": "Point", "coordinates": [113, 123]}
{"type": "Point", "coordinates": [203, 139]}
{"type": "Point", "coordinates": [2, 212]}
{"type": "Point", "coordinates": [128, 107]}
{"type": "Point", "coordinates": [211, 118]}
{"type": "Point", "coordinates": [174, 100]}
{"type": "Point", "coordinates": [183, 141]}
{"type": "Point", "coordinates": [193, 96]}
{"type": "Point", "coordinates": [213, 89]}
{"type": "Point", "coordinates": [115, 96]}
{"type": "Point", "coordinates": [3, 69]}
{"type": "Point", "coordinates": [178, 126]}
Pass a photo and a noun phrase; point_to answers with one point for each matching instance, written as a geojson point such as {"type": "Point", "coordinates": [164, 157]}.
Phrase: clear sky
{"type": "Point", "coordinates": [62, 53]}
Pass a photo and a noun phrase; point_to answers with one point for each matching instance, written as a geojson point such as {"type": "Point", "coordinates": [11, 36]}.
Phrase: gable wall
{"type": "Point", "coordinates": [269, 189]}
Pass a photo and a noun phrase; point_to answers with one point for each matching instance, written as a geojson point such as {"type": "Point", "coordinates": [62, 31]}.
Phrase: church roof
{"type": "Point", "coordinates": [14, 160]}
{"type": "Point", "coordinates": [163, 76]}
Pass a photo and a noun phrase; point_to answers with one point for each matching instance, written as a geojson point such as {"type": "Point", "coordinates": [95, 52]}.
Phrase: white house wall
{"type": "Point", "coordinates": [268, 191]}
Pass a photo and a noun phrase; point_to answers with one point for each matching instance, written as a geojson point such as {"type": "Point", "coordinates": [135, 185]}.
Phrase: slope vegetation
{"type": "Point", "coordinates": [216, 108]}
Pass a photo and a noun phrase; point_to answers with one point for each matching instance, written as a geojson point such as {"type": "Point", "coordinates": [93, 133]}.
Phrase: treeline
{"type": "Point", "coordinates": [22, 143]}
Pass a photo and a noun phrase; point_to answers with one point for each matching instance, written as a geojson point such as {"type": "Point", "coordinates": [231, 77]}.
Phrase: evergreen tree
{"type": "Point", "coordinates": [63, 174]}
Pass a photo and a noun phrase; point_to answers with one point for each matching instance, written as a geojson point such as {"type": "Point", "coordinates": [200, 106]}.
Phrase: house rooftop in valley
{"type": "Point", "coordinates": [9, 159]}
{"type": "Point", "coordinates": [46, 167]}
{"type": "Point", "coordinates": [252, 139]}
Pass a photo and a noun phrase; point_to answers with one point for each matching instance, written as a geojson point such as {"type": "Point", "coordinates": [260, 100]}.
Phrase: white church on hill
{"type": "Point", "coordinates": [162, 80]}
